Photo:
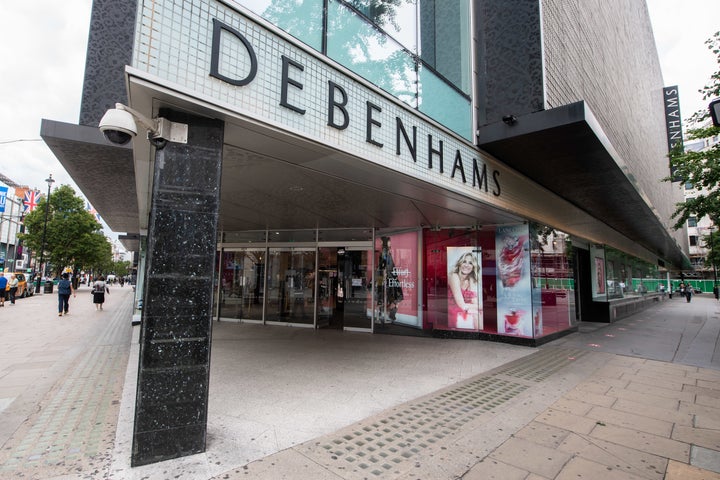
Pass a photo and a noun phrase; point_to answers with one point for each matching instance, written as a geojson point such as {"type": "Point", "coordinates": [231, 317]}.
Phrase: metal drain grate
{"type": "Point", "coordinates": [542, 365]}
{"type": "Point", "coordinates": [378, 447]}
{"type": "Point", "coordinates": [388, 444]}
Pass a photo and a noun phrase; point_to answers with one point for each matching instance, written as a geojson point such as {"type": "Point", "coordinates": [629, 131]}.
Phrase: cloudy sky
{"type": "Point", "coordinates": [42, 54]}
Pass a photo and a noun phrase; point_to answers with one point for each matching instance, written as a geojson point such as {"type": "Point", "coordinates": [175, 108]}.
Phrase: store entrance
{"type": "Point", "coordinates": [344, 288]}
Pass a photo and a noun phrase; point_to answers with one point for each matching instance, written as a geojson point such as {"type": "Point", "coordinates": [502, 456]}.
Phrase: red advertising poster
{"type": "Point", "coordinates": [515, 308]}
{"type": "Point", "coordinates": [464, 289]}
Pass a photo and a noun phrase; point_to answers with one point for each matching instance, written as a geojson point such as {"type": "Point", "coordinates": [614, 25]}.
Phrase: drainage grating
{"type": "Point", "coordinates": [381, 446]}
{"type": "Point", "coordinates": [372, 450]}
{"type": "Point", "coordinates": [542, 365]}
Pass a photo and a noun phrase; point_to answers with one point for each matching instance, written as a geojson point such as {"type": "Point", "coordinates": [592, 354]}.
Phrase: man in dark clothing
{"type": "Point", "coordinates": [65, 289]}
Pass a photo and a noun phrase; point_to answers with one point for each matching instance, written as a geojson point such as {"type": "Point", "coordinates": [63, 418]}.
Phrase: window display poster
{"type": "Point", "coordinates": [537, 293]}
{"type": "Point", "coordinates": [598, 272]}
{"type": "Point", "coordinates": [515, 307]}
{"type": "Point", "coordinates": [464, 289]}
{"type": "Point", "coordinates": [397, 277]}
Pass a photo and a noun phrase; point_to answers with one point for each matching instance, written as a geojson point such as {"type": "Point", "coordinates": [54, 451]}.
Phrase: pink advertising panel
{"type": "Point", "coordinates": [515, 314]}
{"type": "Point", "coordinates": [465, 307]}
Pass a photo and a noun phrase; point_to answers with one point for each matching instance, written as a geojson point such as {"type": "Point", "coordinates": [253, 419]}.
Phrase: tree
{"type": "Point", "coordinates": [700, 169]}
{"type": "Point", "coordinates": [712, 243]}
{"type": "Point", "coordinates": [73, 238]}
{"type": "Point", "coordinates": [122, 268]}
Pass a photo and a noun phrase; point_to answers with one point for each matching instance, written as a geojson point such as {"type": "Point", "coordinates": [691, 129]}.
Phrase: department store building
{"type": "Point", "coordinates": [344, 157]}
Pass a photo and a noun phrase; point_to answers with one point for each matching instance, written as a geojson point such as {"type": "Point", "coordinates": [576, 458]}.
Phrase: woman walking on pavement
{"type": "Point", "coordinates": [13, 284]}
{"type": "Point", "coordinates": [99, 289]}
{"type": "Point", "coordinates": [65, 289]}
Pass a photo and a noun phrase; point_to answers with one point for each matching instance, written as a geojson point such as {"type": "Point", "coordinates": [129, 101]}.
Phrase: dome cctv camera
{"type": "Point", "coordinates": [118, 126]}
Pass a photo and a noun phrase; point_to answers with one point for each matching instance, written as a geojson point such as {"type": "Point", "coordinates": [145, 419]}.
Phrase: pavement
{"type": "Point", "coordinates": [637, 399]}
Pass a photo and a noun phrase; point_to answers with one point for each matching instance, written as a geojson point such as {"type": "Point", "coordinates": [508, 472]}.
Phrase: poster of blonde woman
{"type": "Point", "coordinates": [464, 289]}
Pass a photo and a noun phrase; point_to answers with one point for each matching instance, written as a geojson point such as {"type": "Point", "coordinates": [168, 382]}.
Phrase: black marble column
{"type": "Point", "coordinates": [174, 369]}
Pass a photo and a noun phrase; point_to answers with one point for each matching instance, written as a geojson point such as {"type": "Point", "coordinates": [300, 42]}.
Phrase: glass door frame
{"type": "Point", "coordinates": [290, 246]}
{"type": "Point", "coordinates": [224, 248]}
{"type": "Point", "coordinates": [366, 246]}
{"type": "Point", "coordinates": [221, 252]}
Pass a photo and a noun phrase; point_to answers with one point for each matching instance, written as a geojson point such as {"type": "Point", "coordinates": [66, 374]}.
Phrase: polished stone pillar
{"type": "Point", "coordinates": [174, 367]}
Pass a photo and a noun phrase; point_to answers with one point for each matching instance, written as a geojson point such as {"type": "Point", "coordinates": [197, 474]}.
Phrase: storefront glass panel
{"type": "Point", "coordinates": [598, 275]}
{"type": "Point", "coordinates": [396, 281]}
{"type": "Point", "coordinates": [241, 284]}
{"type": "Point", "coordinates": [355, 279]}
{"type": "Point", "coordinates": [552, 280]}
{"type": "Point", "coordinates": [459, 281]}
{"type": "Point", "coordinates": [397, 19]}
{"type": "Point", "coordinates": [290, 285]}
{"type": "Point", "coordinates": [629, 275]}
{"type": "Point", "coordinates": [417, 50]}
{"type": "Point", "coordinates": [518, 303]}
{"type": "Point", "coordinates": [439, 100]}
{"type": "Point", "coordinates": [344, 288]}
{"type": "Point", "coordinates": [355, 43]}
{"type": "Point", "coordinates": [445, 40]}
{"type": "Point", "coordinates": [328, 309]}
{"type": "Point", "coordinates": [303, 19]}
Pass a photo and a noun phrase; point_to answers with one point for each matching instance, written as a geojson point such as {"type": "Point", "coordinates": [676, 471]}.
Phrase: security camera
{"type": "Point", "coordinates": [119, 125]}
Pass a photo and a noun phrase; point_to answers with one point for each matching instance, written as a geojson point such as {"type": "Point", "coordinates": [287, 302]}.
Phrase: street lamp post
{"type": "Point", "coordinates": [49, 181]}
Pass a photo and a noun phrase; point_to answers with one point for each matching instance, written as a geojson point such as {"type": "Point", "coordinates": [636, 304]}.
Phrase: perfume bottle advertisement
{"type": "Point", "coordinates": [514, 295]}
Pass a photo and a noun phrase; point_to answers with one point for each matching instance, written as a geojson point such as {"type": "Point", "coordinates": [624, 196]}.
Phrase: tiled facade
{"type": "Point", "coordinates": [587, 57]}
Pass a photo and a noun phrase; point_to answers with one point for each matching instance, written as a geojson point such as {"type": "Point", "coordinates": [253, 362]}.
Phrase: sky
{"type": "Point", "coordinates": [42, 61]}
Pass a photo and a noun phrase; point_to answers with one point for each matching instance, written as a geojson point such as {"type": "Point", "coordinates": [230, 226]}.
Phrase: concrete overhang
{"type": "Point", "coordinates": [593, 177]}
{"type": "Point", "coordinates": [104, 172]}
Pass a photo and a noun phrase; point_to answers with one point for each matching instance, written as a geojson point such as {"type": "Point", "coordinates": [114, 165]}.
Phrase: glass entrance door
{"type": "Point", "coordinates": [329, 309]}
{"type": "Point", "coordinates": [290, 285]}
{"type": "Point", "coordinates": [344, 288]}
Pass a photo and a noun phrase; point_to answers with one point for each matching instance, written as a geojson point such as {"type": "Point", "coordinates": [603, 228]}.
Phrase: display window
{"type": "Point", "coordinates": [396, 293]}
{"type": "Point", "coordinates": [553, 280]}
{"type": "Point", "coordinates": [513, 280]}
{"type": "Point", "coordinates": [241, 293]}
{"type": "Point", "coordinates": [459, 281]}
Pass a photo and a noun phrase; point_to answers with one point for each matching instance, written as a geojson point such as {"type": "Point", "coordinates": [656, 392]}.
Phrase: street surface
{"type": "Point", "coordinates": [637, 399]}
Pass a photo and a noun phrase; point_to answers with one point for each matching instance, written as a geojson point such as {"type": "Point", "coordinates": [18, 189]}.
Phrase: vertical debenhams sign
{"type": "Point", "coordinates": [673, 121]}
{"type": "Point", "coordinates": [341, 114]}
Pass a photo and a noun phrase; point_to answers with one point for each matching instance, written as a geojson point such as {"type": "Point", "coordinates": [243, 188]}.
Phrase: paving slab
{"type": "Point", "coordinates": [705, 458]}
{"type": "Point", "coordinates": [682, 471]}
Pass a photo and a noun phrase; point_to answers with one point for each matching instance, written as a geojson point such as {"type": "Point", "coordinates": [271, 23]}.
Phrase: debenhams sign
{"type": "Point", "coordinates": [384, 125]}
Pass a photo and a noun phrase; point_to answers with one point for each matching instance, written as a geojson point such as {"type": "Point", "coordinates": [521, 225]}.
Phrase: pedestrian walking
{"type": "Point", "coordinates": [65, 289]}
{"type": "Point", "coordinates": [13, 284]}
{"type": "Point", "coordinates": [99, 290]}
{"type": "Point", "coordinates": [3, 287]}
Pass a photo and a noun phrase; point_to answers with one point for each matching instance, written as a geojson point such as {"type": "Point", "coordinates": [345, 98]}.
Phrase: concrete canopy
{"type": "Point", "coordinates": [569, 140]}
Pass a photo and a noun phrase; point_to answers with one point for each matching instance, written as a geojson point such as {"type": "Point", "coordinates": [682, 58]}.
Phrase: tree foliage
{"type": "Point", "coordinates": [121, 268]}
{"type": "Point", "coordinates": [701, 169]}
{"type": "Point", "coordinates": [712, 243]}
{"type": "Point", "coordinates": [73, 238]}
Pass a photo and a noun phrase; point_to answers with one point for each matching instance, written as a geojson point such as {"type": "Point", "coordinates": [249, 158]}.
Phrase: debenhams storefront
{"type": "Point", "coordinates": [329, 179]}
